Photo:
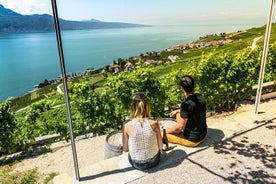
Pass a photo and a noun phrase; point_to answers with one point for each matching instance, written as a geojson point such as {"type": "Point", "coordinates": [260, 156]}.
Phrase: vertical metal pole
{"type": "Point", "coordinates": [264, 56]}
{"type": "Point", "coordinates": [64, 79]}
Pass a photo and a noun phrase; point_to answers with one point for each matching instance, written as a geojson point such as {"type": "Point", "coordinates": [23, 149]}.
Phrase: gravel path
{"type": "Point", "coordinates": [89, 151]}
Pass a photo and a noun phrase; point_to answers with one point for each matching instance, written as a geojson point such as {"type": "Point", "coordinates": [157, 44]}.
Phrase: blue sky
{"type": "Point", "coordinates": [148, 11]}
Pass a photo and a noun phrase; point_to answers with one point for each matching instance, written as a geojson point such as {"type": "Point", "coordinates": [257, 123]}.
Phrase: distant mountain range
{"type": "Point", "coordinates": [12, 22]}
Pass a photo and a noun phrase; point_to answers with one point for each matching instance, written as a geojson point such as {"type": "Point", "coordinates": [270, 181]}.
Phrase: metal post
{"type": "Point", "coordinates": [64, 79]}
{"type": "Point", "coordinates": [264, 56]}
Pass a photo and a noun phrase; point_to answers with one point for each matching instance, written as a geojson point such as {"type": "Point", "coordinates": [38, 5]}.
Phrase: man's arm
{"type": "Point", "coordinates": [181, 123]}
{"type": "Point", "coordinates": [173, 113]}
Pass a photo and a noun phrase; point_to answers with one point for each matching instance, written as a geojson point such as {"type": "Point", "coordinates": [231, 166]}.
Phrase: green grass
{"type": "Point", "coordinates": [31, 176]}
{"type": "Point", "coordinates": [50, 177]}
{"type": "Point", "coordinates": [7, 176]}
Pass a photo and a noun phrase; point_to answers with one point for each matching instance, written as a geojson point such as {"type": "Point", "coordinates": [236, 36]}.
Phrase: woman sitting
{"type": "Point", "coordinates": [141, 135]}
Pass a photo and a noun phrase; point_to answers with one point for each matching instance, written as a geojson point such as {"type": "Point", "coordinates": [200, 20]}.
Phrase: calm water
{"type": "Point", "coordinates": [28, 59]}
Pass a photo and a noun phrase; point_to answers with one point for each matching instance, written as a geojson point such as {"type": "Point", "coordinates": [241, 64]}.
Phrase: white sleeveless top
{"type": "Point", "coordinates": [142, 142]}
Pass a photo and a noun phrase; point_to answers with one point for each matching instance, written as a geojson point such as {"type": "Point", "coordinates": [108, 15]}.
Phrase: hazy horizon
{"type": "Point", "coordinates": [148, 12]}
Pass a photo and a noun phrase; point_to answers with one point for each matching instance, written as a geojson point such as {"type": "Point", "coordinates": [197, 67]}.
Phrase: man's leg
{"type": "Point", "coordinates": [179, 139]}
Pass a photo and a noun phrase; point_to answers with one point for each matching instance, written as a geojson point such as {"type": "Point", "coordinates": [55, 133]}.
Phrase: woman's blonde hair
{"type": "Point", "coordinates": [140, 107]}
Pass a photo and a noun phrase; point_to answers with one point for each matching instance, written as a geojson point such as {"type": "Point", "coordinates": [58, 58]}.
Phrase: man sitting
{"type": "Point", "coordinates": [191, 128]}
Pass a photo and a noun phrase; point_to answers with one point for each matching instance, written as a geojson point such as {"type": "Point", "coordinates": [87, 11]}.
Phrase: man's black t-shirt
{"type": "Point", "coordinates": [194, 109]}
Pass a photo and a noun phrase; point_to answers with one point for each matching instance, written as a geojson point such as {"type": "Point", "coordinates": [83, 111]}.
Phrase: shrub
{"type": "Point", "coordinates": [7, 128]}
{"type": "Point", "coordinates": [226, 79]}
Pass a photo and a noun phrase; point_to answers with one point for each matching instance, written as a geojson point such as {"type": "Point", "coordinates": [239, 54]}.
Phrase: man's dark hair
{"type": "Point", "coordinates": [187, 83]}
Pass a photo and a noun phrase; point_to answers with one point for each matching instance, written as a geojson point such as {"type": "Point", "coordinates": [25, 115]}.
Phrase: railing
{"type": "Point", "coordinates": [268, 92]}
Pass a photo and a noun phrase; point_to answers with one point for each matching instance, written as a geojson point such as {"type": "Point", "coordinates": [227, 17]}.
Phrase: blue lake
{"type": "Point", "coordinates": [28, 59]}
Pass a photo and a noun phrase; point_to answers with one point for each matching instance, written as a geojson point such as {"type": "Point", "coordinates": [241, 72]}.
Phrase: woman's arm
{"type": "Point", "coordinates": [125, 137]}
{"type": "Point", "coordinates": [156, 128]}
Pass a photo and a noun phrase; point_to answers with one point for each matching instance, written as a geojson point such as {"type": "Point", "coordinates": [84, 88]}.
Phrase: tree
{"type": "Point", "coordinates": [90, 109]}
{"type": "Point", "coordinates": [7, 128]}
{"type": "Point", "coordinates": [29, 128]}
{"type": "Point", "coordinates": [225, 79]}
{"type": "Point", "coordinates": [270, 71]}
{"type": "Point", "coordinates": [123, 86]}
{"type": "Point", "coordinates": [55, 121]}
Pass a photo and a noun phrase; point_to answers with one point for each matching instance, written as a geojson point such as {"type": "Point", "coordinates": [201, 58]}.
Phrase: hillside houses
{"type": "Point", "coordinates": [148, 59]}
{"type": "Point", "coordinates": [114, 67]}
{"type": "Point", "coordinates": [173, 58]}
{"type": "Point", "coordinates": [89, 71]}
{"type": "Point", "coordinates": [128, 67]}
{"type": "Point", "coordinates": [200, 45]}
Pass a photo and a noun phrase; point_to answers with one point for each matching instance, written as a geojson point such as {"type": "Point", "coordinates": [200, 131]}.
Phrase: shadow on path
{"type": "Point", "coordinates": [176, 156]}
{"type": "Point", "coordinates": [106, 173]}
{"type": "Point", "coordinates": [213, 136]}
{"type": "Point", "coordinates": [168, 160]}
{"type": "Point", "coordinates": [248, 157]}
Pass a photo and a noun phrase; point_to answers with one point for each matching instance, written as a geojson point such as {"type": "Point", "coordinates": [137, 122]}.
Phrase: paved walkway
{"type": "Point", "coordinates": [240, 148]}
{"type": "Point", "coordinates": [254, 43]}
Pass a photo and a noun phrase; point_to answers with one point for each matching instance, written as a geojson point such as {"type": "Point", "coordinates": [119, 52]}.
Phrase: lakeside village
{"type": "Point", "coordinates": [152, 58]}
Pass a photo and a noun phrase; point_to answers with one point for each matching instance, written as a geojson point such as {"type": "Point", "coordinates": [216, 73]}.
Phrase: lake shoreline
{"type": "Point", "coordinates": [29, 59]}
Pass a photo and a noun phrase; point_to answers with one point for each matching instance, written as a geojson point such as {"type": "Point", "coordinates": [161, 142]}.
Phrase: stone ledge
{"type": "Point", "coordinates": [117, 170]}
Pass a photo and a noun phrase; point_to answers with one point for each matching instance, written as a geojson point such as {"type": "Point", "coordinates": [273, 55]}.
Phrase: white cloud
{"type": "Point", "coordinates": [28, 7]}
